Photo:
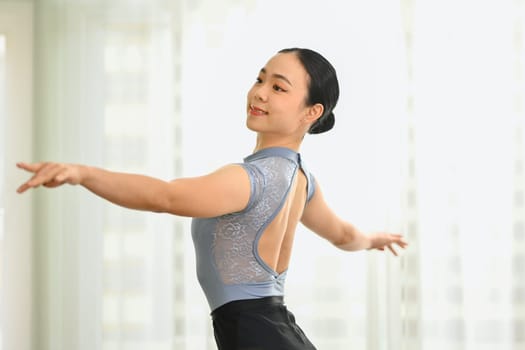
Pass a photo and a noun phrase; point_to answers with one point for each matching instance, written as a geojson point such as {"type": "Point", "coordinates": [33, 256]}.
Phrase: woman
{"type": "Point", "coordinates": [245, 215]}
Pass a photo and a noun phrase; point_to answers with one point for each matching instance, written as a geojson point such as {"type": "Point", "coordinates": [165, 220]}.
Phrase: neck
{"type": "Point", "coordinates": [265, 141]}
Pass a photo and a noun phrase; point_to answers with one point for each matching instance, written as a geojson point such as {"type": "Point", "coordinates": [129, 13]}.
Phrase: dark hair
{"type": "Point", "coordinates": [323, 86]}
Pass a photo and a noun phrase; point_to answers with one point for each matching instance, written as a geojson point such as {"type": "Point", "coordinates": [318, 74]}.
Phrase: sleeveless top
{"type": "Point", "coordinates": [228, 264]}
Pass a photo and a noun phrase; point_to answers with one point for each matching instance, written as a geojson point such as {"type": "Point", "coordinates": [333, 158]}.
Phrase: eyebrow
{"type": "Point", "coordinates": [278, 76]}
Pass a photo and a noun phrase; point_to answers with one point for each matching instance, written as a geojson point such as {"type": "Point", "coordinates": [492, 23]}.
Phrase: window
{"type": "Point", "coordinates": [140, 128]}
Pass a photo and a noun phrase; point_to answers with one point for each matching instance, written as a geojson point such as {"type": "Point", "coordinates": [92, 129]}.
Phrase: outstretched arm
{"type": "Point", "coordinates": [319, 218]}
{"type": "Point", "coordinates": [224, 191]}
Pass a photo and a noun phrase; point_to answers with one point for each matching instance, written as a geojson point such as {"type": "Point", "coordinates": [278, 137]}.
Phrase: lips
{"type": "Point", "coordinates": [256, 111]}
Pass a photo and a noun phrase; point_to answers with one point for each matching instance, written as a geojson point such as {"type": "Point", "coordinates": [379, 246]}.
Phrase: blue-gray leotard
{"type": "Point", "coordinates": [228, 264]}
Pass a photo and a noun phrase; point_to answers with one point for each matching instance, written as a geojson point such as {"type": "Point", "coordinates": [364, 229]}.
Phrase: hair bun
{"type": "Point", "coordinates": [323, 124]}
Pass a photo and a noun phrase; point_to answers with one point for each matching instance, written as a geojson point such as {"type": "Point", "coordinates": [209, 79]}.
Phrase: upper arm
{"type": "Point", "coordinates": [226, 190]}
{"type": "Point", "coordinates": [321, 219]}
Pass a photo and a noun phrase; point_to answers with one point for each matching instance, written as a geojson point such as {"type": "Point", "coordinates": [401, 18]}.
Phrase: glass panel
{"type": "Point", "coordinates": [139, 136]}
{"type": "Point", "coordinates": [125, 303]}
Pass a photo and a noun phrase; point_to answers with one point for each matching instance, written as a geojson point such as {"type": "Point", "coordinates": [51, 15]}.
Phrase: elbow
{"type": "Point", "coordinates": [342, 239]}
{"type": "Point", "coordinates": [342, 243]}
{"type": "Point", "coordinates": [157, 205]}
{"type": "Point", "coordinates": [167, 205]}
{"type": "Point", "coordinates": [173, 203]}
{"type": "Point", "coordinates": [164, 200]}
{"type": "Point", "coordinates": [348, 239]}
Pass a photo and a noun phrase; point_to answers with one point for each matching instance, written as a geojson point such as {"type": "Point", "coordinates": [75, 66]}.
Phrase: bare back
{"type": "Point", "coordinates": [275, 244]}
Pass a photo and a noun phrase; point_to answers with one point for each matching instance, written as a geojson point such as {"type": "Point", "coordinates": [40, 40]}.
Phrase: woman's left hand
{"type": "Point", "coordinates": [381, 241]}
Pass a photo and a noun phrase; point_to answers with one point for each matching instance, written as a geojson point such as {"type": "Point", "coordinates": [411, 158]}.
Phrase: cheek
{"type": "Point", "coordinates": [299, 107]}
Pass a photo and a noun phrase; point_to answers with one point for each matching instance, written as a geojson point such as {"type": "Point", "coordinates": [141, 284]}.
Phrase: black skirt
{"type": "Point", "coordinates": [258, 324]}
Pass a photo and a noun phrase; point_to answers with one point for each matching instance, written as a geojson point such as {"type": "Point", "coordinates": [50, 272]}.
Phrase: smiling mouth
{"type": "Point", "coordinates": [257, 111]}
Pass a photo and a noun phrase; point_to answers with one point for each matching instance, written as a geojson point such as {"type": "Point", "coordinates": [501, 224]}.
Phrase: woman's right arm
{"type": "Point", "coordinates": [224, 191]}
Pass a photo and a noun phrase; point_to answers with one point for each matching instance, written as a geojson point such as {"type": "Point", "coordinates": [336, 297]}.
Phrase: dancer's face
{"type": "Point", "coordinates": [276, 101]}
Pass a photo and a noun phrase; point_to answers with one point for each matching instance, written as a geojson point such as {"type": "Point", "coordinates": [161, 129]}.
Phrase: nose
{"type": "Point", "coordinates": [260, 93]}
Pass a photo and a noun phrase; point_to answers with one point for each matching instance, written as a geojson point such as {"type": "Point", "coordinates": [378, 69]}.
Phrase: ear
{"type": "Point", "coordinates": [313, 113]}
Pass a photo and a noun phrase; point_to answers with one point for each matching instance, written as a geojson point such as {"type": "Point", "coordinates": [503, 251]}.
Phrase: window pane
{"type": "Point", "coordinates": [139, 137]}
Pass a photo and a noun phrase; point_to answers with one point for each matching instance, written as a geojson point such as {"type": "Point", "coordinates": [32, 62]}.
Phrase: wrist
{"type": "Point", "coordinates": [83, 174]}
{"type": "Point", "coordinates": [371, 241]}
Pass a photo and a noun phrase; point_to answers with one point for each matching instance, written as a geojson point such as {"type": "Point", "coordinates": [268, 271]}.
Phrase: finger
{"type": "Point", "coordinates": [23, 188]}
{"type": "Point", "coordinates": [397, 237]}
{"type": "Point", "coordinates": [392, 249]}
{"type": "Point", "coordinates": [46, 174]}
{"type": "Point", "coordinates": [32, 167]}
{"type": "Point", "coordinates": [48, 170]}
{"type": "Point", "coordinates": [402, 243]}
{"type": "Point", "coordinates": [51, 177]}
{"type": "Point", "coordinates": [33, 182]}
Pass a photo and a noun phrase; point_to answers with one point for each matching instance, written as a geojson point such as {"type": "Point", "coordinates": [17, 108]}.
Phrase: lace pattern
{"type": "Point", "coordinates": [235, 240]}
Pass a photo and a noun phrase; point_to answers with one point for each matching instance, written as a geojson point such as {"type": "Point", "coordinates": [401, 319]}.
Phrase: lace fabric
{"type": "Point", "coordinates": [236, 237]}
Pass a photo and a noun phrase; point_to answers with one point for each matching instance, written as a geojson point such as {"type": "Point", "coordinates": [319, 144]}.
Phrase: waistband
{"type": "Point", "coordinates": [239, 306]}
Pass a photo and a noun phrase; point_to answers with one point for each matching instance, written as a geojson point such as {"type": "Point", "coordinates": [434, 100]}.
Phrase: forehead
{"type": "Point", "coordinates": [288, 65]}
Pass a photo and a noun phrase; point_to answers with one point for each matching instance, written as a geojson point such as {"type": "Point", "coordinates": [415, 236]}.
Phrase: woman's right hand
{"type": "Point", "coordinates": [49, 175]}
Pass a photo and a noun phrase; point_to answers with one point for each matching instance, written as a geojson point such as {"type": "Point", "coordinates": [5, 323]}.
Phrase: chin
{"type": "Point", "coordinates": [251, 126]}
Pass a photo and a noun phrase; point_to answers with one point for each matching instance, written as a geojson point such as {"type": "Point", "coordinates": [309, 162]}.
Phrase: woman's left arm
{"type": "Point", "coordinates": [321, 219]}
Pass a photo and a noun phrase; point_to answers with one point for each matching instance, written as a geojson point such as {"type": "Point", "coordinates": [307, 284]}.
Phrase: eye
{"type": "Point", "coordinates": [258, 80]}
{"type": "Point", "coordinates": [278, 88]}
